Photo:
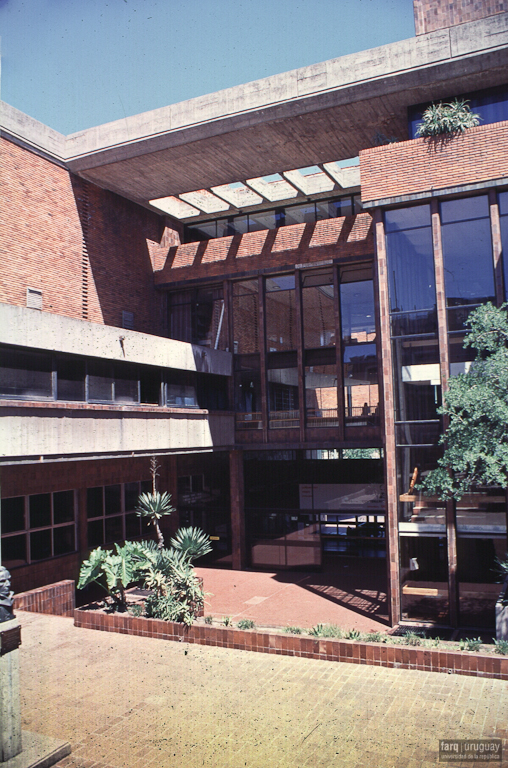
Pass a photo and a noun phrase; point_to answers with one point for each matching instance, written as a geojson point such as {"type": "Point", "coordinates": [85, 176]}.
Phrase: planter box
{"type": "Point", "coordinates": [427, 165]}
{"type": "Point", "coordinates": [374, 654]}
{"type": "Point", "coordinates": [502, 613]}
{"type": "Point", "coordinates": [57, 599]}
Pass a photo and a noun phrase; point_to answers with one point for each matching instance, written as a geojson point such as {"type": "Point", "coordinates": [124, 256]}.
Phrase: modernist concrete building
{"type": "Point", "coordinates": [223, 284]}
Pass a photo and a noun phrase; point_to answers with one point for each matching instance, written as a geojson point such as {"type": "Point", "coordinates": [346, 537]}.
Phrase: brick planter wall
{"type": "Point", "coordinates": [374, 654]}
{"type": "Point", "coordinates": [422, 165]}
{"type": "Point", "coordinates": [58, 599]}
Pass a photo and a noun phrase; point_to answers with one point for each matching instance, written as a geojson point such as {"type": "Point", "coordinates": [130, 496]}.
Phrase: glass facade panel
{"type": "Point", "coordinates": [70, 380]}
{"type": "Point", "coordinates": [467, 251]}
{"type": "Point", "coordinates": [357, 311]}
{"type": "Point", "coordinates": [299, 214]}
{"type": "Point", "coordinates": [94, 502]}
{"type": "Point", "coordinates": [410, 259]}
{"type": "Point", "coordinates": [63, 507]}
{"type": "Point", "coordinates": [113, 499]}
{"type": "Point", "coordinates": [248, 393]}
{"type": "Point", "coordinates": [321, 396]}
{"type": "Point", "coordinates": [14, 551]}
{"type": "Point", "coordinates": [479, 578]}
{"type": "Point", "coordinates": [40, 545]}
{"type": "Point", "coordinates": [181, 391]}
{"type": "Point", "coordinates": [100, 381]}
{"type": "Point", "coordinates": [245, 317]}
{"type": "Point", "coordinates": [424, 578]}
{"type": "Point", "coordinates": [13, 514]}
{"type": "Point", "coordinates": [209, 318]}
{"type": "Point", "coordinates": [318, 310]}
{"type": "Point", "coordinates": [39, 510]}
{"type": "Point", "coordinates": [63, 540]}
{"type": "Point", "coordinates": [281, 326]}
{"type": "Point", "coordinates": [283, 398]}
{"type": "Point", "coordinates": [126, 384]}
{"type": "Point", "coordinates": [503, 220]}
{"type": "Point", "coordinates": [25, 374]}
{"type": "Point", "coordinates": [361, 391]}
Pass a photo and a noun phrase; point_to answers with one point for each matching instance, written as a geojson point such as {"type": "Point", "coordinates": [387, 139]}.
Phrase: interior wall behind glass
{"type": "Point", "coordinates": [503, 214]}
{"type": "Point", "coordinates": [318, 310]}
{"type": "Point", "coordinates": [281, 325]}
{"type": "Point", "coordinates": [245, 317]}
{"type": "Point", "coordinates": [321, 395]}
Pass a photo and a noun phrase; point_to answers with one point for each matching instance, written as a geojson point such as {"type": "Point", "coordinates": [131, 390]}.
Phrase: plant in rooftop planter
{"type": "Point", "coordinates": [447, 119]}
{"type": "Point", "coordinates": [154, 506]}
{"type": "Point", "coordinates": [191, 542]}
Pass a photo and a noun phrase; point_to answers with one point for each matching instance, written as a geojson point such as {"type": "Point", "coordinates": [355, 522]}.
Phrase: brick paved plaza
{"type": "Point", "coordinates": [132, 702]}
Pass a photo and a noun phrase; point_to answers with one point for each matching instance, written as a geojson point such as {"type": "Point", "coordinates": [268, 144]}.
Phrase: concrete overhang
{"type": "Point", "coordinates": [313, 115]}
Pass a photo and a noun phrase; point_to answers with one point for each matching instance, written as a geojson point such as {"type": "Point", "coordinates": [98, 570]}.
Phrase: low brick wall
{"type": "Point", "coordinates": [58, 599]}
{"type": "Point", "coordinates": [374, 654]}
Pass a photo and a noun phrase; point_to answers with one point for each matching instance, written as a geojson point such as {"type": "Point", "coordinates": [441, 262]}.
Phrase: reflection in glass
{"type": "Point", "coordinates": [503, 221]}
{"type": "Point", "coordinates": [25, 374]}
{"type": "Point", "coordinates": [413, 464]}
{"type": "Point", "coordinates": [467, 251]}
{"type": "Point", "coordinates": [318, 309]}
{"type": "Point", "coordinates": [357, 311]}
{"type": "Point", "coordinates": [13, 514]}
{"type": "Point", "coordinates": [283, 398]}
{"type": "Point", "coordinates": [281, 327]}
{"type": "Point", "coordinates": [248, 395]}
{"type": "Point", "coordinates": [424, 578]}
{"type": "Point", "coordinates": [410, 259]}
{"type": "Point", "coordinates": [126, 384]}
{"type": "Point", "coordinates": [39, 510]}
{"type": "Point", "coordinates": [321, 396]}
{"type": "Point", "coordinates": [70, 380]}
{"type": "Point", "coordinates": [479, 578]}
{"type": "Point", "coordinates": [245, 317]}
{"type": "Point", "coordinates": [63, 540]}
{"type": "Point", "coordinates": [417, 379]}
{"type": "Point", "coordinates": [100, 380]}
{"type": "Point", "coordinates": [361, 392]}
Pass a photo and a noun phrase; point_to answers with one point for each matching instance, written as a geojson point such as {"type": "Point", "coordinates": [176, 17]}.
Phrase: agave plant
{"type": "Point", "coordinates": [449, 118]}
{"type": "Point", "coordinates": [153, 507]}
{"type": "Point", "coordinates": [192, 543]}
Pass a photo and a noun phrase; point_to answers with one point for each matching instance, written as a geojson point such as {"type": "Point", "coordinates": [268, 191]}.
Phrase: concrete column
{"type": "Point", "coordinates": [238, 544]}
{"type": "Point", "coordinates": [392, 522]}
{"type": "Point", "coordinates": [10, 711]}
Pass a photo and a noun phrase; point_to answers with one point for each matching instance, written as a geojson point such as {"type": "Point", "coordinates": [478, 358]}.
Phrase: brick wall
{"type": "Point", "coordinates": [422, 165]}
{"type": "Point", "coordinates": [438, 14]}
{"type": "Point", "coordinates": [92, 253]}
{"type": "Point", "coordinates": [343, 237]}
{"type": "Point", "coordinates": [57, 599]}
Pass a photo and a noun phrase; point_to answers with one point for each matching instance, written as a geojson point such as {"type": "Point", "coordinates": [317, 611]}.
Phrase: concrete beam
{"type": "Point", "coordinates": [25, 327]}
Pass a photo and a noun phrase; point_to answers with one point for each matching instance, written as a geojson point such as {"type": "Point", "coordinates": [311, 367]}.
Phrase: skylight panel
{"type": "Point", "coordinates": [238, 194]}
{"type": "Point", "coordinates": [205, 200]}
{"type": "Point", "coordinates": [175, 207]}
{"type": "Point", "coordinates": [273, 187]}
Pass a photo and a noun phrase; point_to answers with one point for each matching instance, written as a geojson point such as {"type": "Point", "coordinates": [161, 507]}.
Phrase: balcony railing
{"type": "Point", "coordinates": [284, 419]}
{"type": "Point", "coordinates": [252, 420]}
{"type": "Point", "coordinates": [322, 417]}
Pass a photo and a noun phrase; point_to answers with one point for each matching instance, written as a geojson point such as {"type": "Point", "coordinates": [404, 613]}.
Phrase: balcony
{"type": "Point", "coordinates": [425, 167]}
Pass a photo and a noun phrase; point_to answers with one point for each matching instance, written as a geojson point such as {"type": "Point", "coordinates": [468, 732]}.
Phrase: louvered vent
{"type": "Point", "coordinates": [34, 298]}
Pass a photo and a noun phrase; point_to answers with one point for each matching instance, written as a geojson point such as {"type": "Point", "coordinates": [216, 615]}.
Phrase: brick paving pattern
{"type": "Point", "coordinates": [132, 702]}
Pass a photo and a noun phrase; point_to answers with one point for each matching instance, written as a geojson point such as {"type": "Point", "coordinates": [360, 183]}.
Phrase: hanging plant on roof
{"type": "Point", "coordinates": [449, 118]}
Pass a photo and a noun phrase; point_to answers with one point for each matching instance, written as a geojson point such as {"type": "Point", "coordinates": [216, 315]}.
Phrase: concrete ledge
{"type": "Point", "coordinates": [38, 752]}
{"type": "Point", "coordinates": [326, 649]}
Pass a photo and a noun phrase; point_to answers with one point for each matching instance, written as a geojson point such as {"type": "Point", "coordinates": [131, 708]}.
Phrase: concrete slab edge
{"type": "Point", "coordinates": [38, 752]}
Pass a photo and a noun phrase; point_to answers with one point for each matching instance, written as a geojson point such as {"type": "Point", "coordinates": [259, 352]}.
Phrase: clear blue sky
{"type": "Point", "coordinates": [73, 64]}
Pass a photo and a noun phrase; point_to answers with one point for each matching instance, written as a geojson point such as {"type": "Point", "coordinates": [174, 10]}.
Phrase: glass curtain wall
{"type": "Point", "coordinates": [481, 514]}
{"type": "Point", "coordinates": [503, 220]}
{"type": "Point", "coordinates": [318, 306]}
{"type": "Point", "coordinates": [417, 395]}
{"type": "Point", "coordinates": [361, 392]}
{"type": "Point", "coordinates": [199, 317]}
{"type": "Point", "coordinates": [281, 327]}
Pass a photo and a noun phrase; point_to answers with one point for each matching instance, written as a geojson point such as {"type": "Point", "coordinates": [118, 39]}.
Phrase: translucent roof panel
{"type": "Point", "coordinates": [204, 200]}
{"type": "Point", "coordinates": [345, 175]}
{"type": "Point", "coordinates": [238, 194]}
{"type": "Point", "coordinates": [175, 207]}
{"type": "Point", "coordinates": [273, 187]}
{"type": "Point", "coordinates": [311, 180]}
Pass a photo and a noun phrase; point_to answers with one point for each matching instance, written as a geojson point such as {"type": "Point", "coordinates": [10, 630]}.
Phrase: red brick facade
{"type": "Point", "coordinates": [343, 237]}
{"type": "Point", "coordinates": [427, 165]}
{"type": "Point", "coordinates": [438, 14]}
{"type": "Point", "coordinates": [90, 252]}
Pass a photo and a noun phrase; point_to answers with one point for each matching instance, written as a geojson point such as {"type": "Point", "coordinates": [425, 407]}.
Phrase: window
{"type": "Point", "coordinates": [111, 513]}
{"type": "Point", "coordinates": [318, 308]}
{"type": "Point", "coordinates": [281, 327]}
{"type": "Point", "coordinates": [199, 317]}
{"type": "Point", "coordinates": [503, 220]}
{"type": "Point", "coordinates": [245, 317]}
{"type": "Point", "coordinates": [37, 527]}
{"type": "Point", "coordinates": [283, 398]}
{"type": "Point", "coordinates": [26, 375]}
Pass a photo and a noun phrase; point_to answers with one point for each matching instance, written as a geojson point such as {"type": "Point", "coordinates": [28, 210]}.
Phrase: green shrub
{"type": "Point", "coordinates": [449, 118]}
{"type": "Point", "coordinates": [352, 634]}
{"type": "Point", "coordinates": [208, 619]}
{"type": "Point", "coordinates": [114, 570]}
{"type": "Point", "coordinates": [501, 646]}
{"type": "Point", "coordinates": [326, 630]}
{"type": "Point", "coordinates": [192, 543]}
{"type": "Point", "coordinates": [227, 621]}
{"type": "Point", "coordinates": [136, 610]}
{"type": "Point", "coordinates": [246, 624]}
{"type": "Point", "coordinates": [293, 630]}
{"type": "Point", "coordinates": [374, 637]}
{"type": "Point", "coordinates": [413, 638]}
{"type": "Point", "coordinates": [470, 644]}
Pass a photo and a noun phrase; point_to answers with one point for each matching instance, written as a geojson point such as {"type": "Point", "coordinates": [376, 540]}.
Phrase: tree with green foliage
{"type": "Point", "coordinates": [476, 405]}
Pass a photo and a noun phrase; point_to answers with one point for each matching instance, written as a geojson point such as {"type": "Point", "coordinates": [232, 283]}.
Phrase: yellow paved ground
{"type": "Point", "coordinates": [132, 702]}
